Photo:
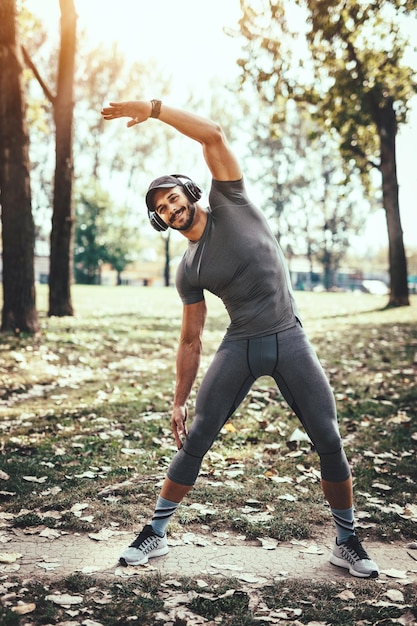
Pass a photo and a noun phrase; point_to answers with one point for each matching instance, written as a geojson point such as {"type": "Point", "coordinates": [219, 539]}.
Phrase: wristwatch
{"type": "Point", "coordinates": [156, 108]}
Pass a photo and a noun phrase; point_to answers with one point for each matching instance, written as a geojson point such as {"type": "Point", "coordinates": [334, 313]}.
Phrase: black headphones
{"type": "Point", "coordinates": [191, 190]}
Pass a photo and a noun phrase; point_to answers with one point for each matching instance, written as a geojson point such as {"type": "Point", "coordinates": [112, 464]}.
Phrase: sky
{"type": "Point", "coordinates": [187, 37]}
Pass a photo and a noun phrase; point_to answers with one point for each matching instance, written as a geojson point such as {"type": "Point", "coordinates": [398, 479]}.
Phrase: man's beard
{"type": "Point", "coordinates": [190, 209]}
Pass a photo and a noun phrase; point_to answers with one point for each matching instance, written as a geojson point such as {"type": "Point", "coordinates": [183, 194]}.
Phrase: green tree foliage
{"type": "Point", "coordinates": [103, 234]}
{"type": "Point", "coordinates": [89, 252]}
{"type": "Point", "coordinates": [101, 75]}
{"type": "Point", "coordinates": [345, 61]}
{"type": "Point", "coordinates": [316, 207]}
{"type": "Point", "coordinates": [121, 237]}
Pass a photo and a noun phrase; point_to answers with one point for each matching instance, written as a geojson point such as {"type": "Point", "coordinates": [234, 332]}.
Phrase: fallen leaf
{"type": "Point", "coordinates": [90, 569]}
{"type": "Point", "coordinates": [103, 535]}
{"type": "Point", "coordinates": [381, 486]}
{"type": "Point", "coordinates": [35, 479]}
{"type": "Point", "coordinates": [395, 595]}
{"type": "Point", "coordinates": [221, 566]}
{"type": "Point", "coordinates": [400, 418]}
{"type": "Point", "coordinates": [256, 504]}
{"type": "Point", "coordinates": [48, 566]}
{"type": "Point", "coordinates": [313, 549]}
{"type": "Point", "coordinates": [64, 599]}
{"type": "Point", "coordinates": [203, 509]}
{"type": "Point", "coordinates": [117, 487]}
{"type": "Point", "coordinates": [346, 594]}
{"type": "Point", "coordinates": [250, 578]}
{"type": "Point", "coordinates": [225, 535]}
{"type": "Point", "coordinates": [196, 540]}
{"type": "Point", "coordinates": [287, 613]}
{"type": "Point", "coordinates": [53, 491]}
{"type": "Point", "coordinates": [299, 435]}
{"type": "Point", "coordinates": [394, 573]}
{"type": "Point", "coordinates": [129, 572]}
{"type": "Point", "coordinates": [9, 557]}
{"type": "Point", "coordinates": [24, 608]}
{"type": "Point", "coordinates": [179, 598]}
{"type": "Point", "coordinates": [133, 451]}
{"type": "Point", "coordinates": [268, 543]}
{"type": "Point", "coordinates": [78, 508]}
{"type": "Point", "coordinates": [86, 474]}
{"type": "Point", "coordinates": [409, 512]}
{"type": "Point", "coordinates": [9, 567]}
{"type": "Point", "coordinates": [50, 533]}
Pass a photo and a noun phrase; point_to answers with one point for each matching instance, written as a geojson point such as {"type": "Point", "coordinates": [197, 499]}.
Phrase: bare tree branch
{"type": "Point", "coordinates": [49, 95]}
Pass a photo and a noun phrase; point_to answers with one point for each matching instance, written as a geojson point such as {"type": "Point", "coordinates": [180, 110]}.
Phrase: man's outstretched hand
{"type": "Point", "coordinates": [139, 111]}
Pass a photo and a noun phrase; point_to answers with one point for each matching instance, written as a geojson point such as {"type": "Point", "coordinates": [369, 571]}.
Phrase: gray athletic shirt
{"type": "Point", "coordinates": [239, 260]}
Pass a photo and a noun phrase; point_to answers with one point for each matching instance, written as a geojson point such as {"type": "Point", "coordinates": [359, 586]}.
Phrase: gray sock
{"type": "Point", "coordinates": [344, 520]}
{"type": "Point", "coordinates": [164, 510]}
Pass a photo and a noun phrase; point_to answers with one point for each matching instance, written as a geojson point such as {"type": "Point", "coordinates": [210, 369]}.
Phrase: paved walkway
{"type": "Point", "coordinates": [193, 555]}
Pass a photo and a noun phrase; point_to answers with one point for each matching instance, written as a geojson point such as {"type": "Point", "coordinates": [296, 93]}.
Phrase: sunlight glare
{"type": "Point", "coordinates": [184, 37]}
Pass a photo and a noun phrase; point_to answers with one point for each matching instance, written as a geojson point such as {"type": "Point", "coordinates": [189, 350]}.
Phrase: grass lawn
{"type": "Point", "coordinates": [85, 409]}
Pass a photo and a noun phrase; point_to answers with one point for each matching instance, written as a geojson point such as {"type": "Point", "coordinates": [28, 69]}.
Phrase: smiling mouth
{"type": "Point", "coordinates": [176, 215]}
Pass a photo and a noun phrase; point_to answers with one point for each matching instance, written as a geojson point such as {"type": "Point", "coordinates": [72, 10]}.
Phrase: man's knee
{"type": "Point", "coordinates": [334, 466]}
{"type": "Point", "coordinates": [184, 468]}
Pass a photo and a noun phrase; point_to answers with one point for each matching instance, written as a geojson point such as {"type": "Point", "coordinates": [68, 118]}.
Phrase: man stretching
{"type": "Point", "coordinates": [233, 253]}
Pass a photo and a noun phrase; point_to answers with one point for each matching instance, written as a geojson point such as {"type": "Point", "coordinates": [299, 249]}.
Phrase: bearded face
{"type": "Point", "coordinates": [183, 217]}
{"type": "Point", "coordinates": [174, 207]}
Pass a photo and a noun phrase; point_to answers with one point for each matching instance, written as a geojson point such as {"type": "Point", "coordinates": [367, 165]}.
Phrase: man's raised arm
{"type": "Point", "coordinates": [220, 160]}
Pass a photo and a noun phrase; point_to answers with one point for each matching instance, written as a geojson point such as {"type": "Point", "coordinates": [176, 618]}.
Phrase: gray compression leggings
{"type": "Point", "coordinates": [290, 359]}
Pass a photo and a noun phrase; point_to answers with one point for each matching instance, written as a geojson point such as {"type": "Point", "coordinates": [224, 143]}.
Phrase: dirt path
{"type": "Point", "coordinates": [193, 555]}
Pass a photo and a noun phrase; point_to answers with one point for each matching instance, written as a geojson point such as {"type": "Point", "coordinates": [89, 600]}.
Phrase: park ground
{"type": "Point", "coordinates": [85, 443]}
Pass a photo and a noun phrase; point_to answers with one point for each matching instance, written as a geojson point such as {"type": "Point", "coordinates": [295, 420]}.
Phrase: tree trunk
{"type": "Point", "coordinates": [61, 270]}
{"type": "Point", "coordinates": [18, 233]}
{"type": "Point", "coordinates": [397, 259]}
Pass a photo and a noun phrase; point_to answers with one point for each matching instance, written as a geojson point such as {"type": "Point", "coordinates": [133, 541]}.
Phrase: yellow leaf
{"type": "Point", "coordinates": [24, 608]}
{"type": "Point", "coordinates": [9, 557]}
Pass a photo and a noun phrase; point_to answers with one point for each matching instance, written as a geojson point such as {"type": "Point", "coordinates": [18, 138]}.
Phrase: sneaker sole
{"type": "Point", "coordinates": [160, 552]}
{"type": "Point", "coordinates": [335, 560]}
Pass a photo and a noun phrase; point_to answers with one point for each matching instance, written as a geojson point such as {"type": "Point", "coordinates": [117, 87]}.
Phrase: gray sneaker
{"type": "Point", "coordinates": [351, 555]}
{"type": "Point", "coordinates": [146, 546]}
